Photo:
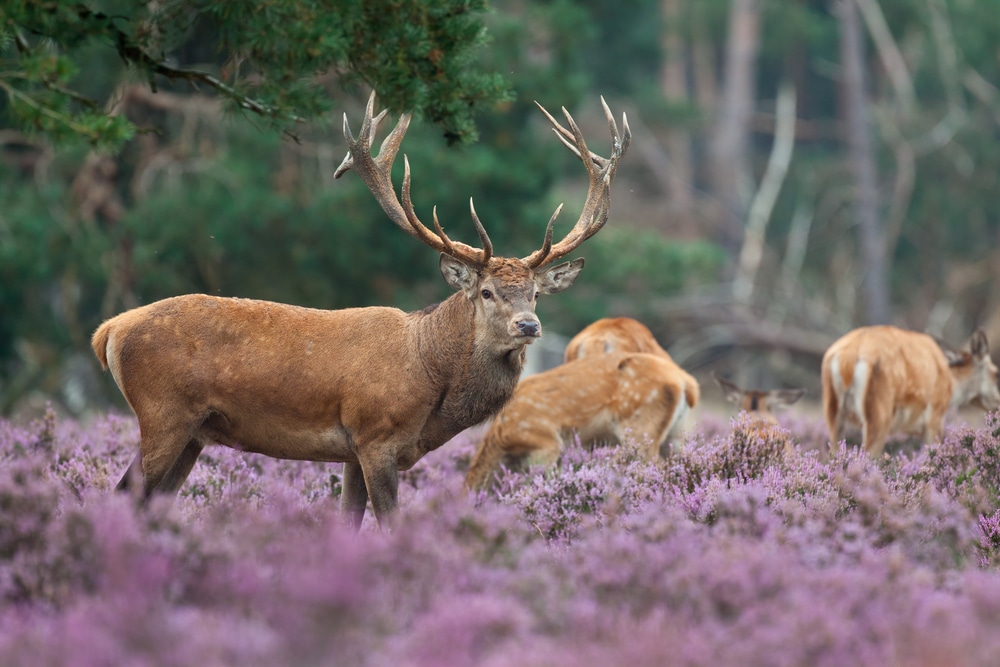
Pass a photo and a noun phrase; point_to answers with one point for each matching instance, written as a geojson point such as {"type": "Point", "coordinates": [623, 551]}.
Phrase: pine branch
{"type": "Point", "coordinates": [132, 52]}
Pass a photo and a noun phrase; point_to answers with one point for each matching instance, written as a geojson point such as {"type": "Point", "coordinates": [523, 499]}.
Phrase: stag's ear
{"type": "Point", "coordinates": [459, 275]}
{"type": "Point", "coordinates": [559, 277]}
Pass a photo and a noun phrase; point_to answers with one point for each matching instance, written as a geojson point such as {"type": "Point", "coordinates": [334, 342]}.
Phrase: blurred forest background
{"type": "Point", "coordinates": [799, 167]}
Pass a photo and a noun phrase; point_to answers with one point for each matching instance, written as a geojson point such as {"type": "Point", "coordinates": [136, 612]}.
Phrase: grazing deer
{"type": "Point", "coordinates": [759, 406]}
{"type": "Point", "coordinates": [888, 380]}
{"type": "Point", "coordinates": [600, 398]}
{"type": "Point", "coordinates": [622, 335]}
{"type": "Point", "coordinates": [615, 334]}
{"type": "Point", "coordinates": [374, 388]}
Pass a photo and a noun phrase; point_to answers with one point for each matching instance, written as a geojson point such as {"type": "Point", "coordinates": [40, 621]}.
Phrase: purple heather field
{"type": "Point", "coordinates": [731, 553]}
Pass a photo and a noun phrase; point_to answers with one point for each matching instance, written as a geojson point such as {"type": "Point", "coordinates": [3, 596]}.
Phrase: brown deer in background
{"type": "Point", "coordinates": [889, 380]}
{"type": "Point", "coordinates": [617, 383]}
{"type": "Point", "coordinates": [601, 398]}
{"type": "Point", "coordinates": [374, 388]}
{"type": "Point", "coordinates": [623, 335]}
{"type": "Point", "coordinates": [615, 334]}
{"type": "Point", "coordinates": [759, 405]}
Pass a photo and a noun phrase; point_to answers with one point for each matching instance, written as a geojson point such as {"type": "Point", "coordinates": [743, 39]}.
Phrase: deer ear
{"type": "Point", "coordinates": [954, 357]}
{"type": "Point", "coordinates": [978, 344]}
{"type": "Point", "coordinates": [559, 277]}
{"type": "Point", "coordinates": [785, 397]}
{"type": "Point", "coordinates": [459, 275]}
{"type": "Point", "coordinates": [733, 393]}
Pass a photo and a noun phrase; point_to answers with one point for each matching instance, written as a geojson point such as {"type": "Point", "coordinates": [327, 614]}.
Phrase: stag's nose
{"type": "Point", "coordinates": [529, 328]}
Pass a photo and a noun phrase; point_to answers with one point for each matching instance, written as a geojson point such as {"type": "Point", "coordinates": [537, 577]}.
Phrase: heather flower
{"type": "Point", "coordinates": [733, 551]}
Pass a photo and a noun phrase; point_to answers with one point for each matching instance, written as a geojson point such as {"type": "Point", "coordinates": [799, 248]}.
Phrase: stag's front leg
{"type": "Point", "coordinates": [382, 481]}
{"type": "Point", "coordinates": [353, 495]}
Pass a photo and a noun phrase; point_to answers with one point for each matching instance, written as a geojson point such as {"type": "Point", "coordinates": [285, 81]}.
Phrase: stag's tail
{"type": "Point", "coordinates": [485, 462]}
{"type": "Point", "coordinates": [100, 343]}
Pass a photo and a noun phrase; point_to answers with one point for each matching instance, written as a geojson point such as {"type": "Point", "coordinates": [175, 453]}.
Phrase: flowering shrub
{"type": "Point", "coordinates": [733, 552]}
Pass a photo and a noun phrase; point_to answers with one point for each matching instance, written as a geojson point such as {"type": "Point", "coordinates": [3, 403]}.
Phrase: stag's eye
{"type": "Point", "coordinates": [487, 294]}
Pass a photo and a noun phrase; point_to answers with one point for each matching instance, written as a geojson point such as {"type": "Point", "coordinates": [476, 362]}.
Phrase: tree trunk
{"type": "Point", "coordinates": [762, 206]}
{"type": "Point", "coordinates": [673, 84]}
{"type": "Point", "coordinates": [871, 236]}
{"type": "Point", "coordinates": [729, 149]}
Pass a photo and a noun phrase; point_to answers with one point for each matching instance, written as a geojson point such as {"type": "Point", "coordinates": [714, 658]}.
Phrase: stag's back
{"type": "Point", "coordinates": [242, 359]}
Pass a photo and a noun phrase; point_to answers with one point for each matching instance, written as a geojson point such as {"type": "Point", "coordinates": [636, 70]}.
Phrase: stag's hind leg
{"type": "Point", "coordinates": [181, 468]}
{"type": "Point", "coordinates": [132, 476]}
{"type": "Point", "coordinates": [353, 494]}
{"type": "Point", "coordinates": [166, 456]}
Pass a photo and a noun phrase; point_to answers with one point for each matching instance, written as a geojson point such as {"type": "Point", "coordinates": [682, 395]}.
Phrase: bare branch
{"type": "Point", "coordinates": [767, 194]}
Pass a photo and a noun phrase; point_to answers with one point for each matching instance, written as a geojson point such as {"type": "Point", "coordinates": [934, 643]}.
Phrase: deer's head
{"type": "Point", "coordinates": [760, 405]}
{"type": "Point", "coordinates": [974, 372]}
{"type": "Point", "coordinates": [503, 290]}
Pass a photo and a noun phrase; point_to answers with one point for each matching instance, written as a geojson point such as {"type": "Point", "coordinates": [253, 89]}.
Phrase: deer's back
{"type": "Point", "coordinates": [252, 367]}
{"type": "Point", "coordinates": [908, 366]}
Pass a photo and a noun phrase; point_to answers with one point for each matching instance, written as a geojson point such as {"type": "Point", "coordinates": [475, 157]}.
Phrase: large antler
{"type": "Point", "coordinates": [377, 174]}
{"type": "Point", "coordinates": [598, 202]}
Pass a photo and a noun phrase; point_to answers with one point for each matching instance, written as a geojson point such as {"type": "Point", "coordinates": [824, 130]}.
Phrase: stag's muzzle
{"type": "Point", "coordinates": [529, 328]}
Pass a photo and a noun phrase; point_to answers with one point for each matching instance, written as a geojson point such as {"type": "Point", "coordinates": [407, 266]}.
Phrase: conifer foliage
{"type": "Point", "coordinates": [273, 60]}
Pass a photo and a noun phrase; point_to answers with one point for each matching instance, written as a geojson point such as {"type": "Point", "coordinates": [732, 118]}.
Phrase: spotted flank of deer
{"type": "Point", "coordinates": [606, 398]}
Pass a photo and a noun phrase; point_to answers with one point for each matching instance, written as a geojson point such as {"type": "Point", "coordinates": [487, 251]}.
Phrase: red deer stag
{"type": "Point", "coordinates": [759, 405]}
{"type": "Point", "coordinates": [600, 398]}
{"type": "Point", "coordinates": [888, 380]}
{"type": "Point", "coordinates": [374, 388]}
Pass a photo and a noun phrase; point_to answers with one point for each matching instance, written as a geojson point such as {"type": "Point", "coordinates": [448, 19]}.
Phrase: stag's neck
{"type": "Point", "coordinates": [476, 379]}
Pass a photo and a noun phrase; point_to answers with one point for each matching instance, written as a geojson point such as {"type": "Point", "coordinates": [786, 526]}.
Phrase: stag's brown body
{"type": "Point", "coordinates": [194, 358]}
{"type": "Point", "coordinates": [885, 380]}
{"type": "Point", "coordinates": [375, 388]}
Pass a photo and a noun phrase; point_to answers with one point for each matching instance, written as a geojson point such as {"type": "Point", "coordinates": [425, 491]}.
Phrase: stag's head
{"type": "Point", "coordinates": [503, 290]}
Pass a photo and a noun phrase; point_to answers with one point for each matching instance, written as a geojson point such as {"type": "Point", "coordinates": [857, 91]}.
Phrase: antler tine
{"type": "Point", "coordinates": [601, 171]}
{"type": "Point", "coordinates": [561, 132]}
{"type": "Point", "coordinates": [483, 236]}
{"type": "Point", "coordinates": [438, 241]}
{"type": "Point", "coordinates": [376, 172]}
{"type": "Point", "coordinates": [536, 258]}
{"type": "Point", "coordinates": [449, 246]}
{"type": "Point", "coordinates": [369, 126]}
